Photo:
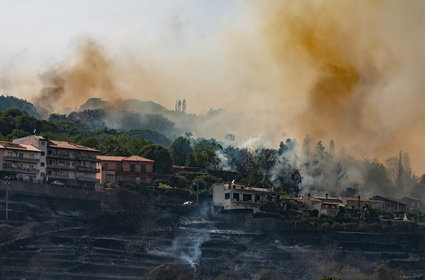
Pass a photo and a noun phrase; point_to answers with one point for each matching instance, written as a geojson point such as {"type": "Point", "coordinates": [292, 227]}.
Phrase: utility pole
{"type": "Point", "coordinates": [197, 193]}
{"type": "Point", "coordinates": [7, 183]}
{"type": "Point", "coordinates": [7, 202]}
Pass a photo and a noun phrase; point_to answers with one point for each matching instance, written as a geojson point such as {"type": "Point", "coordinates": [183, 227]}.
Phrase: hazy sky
{"type": "Point", "coordinates": [44, 31]}
{"type": "Point", "coordinates": [326, 68]}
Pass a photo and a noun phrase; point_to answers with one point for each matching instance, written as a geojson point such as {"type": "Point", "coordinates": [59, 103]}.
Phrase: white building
{"type": "Point", "coordinates": [234, 197]}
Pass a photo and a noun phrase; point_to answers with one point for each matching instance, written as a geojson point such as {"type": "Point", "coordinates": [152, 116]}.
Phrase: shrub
{"type": "Point", "coordinates": [167, 272]}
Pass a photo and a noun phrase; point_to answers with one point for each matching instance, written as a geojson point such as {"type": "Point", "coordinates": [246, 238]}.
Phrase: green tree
{"type": "Point", "coordinates": [160, 155]}
{"type": "Point", "coordinates": [112, 146]}
{"type": "Point", "coordinates": [180, 150]}
{"type": "Point", "coordinates": [134, 146]}
{"type": "Point", "coordinates": [179, 181]}
{"type": "Point", "coordinates": [204, 153]}
{"type": "Point", "coordinates": [206, 181]}
{"type": "Point", "coordinates": [91, 142]}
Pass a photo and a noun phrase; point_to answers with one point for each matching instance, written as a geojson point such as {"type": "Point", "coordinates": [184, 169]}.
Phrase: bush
{"type": "Point", "coordinates": [383, 272]}
{"type": "Point", "coordinates": [206, 181]}
{"type": "Point", "coordinates": [175, 192]}
{"type": "Point", "coordinates": [179, 181]}
{"type": "Point", "coordinates": [167, 272]}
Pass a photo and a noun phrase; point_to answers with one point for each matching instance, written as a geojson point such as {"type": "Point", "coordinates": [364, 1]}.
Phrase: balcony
{"type": "Point", "coordinates": [21, 159]}
{"type": "Point", "coordinates": [62, 167]}
{"type": "Point", "coordinates": [58, 176]}
{"type": "Point", "coordinates": [88, 169]}
{"type": "Point", "coordinates": [21, 169]}
{"type": "Point", "coordinates": [61, 156]}
{"type": "Point", "coordinates": [93, 180]}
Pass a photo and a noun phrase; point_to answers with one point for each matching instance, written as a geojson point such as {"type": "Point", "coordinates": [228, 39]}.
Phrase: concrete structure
{"type": "Point", "coordinates": [390, 204]}
{"type": "Point", "coordinates": [20, 162]}
{"type": "Point", "coordinates": [413, 204]}
{"type": "Point", "coordinates": [234, 197]}
{"type": "Point", "coordinates": [116, 169]}
{"type": "Point", "coordinates": [324, 205]}
{"type": "Point", "coordinates": [359, 203]}
{"type": "Point", "coordinates": [65, 162]}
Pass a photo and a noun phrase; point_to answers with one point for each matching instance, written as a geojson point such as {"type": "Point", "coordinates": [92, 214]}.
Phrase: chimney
{"type": "Point", "coordinates": [326, 195]}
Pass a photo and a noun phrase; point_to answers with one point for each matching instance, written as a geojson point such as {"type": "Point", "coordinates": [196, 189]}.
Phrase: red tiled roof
{"type": "Point", "coordinates": [120, 158]}
{"type": "Point", "coordinates": [14, 146]}
{"type": "Point", "coordinates": [69, 145]}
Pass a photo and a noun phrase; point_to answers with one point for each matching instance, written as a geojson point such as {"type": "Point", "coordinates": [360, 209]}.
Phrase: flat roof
{"type": "Point", "coordinates": [20, 147]}
{"type": "Point", "coordinates": [69, 146]}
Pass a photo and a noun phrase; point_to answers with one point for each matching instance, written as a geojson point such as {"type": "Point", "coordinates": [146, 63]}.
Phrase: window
{"type": "Point", "coordinates": [105, 166]}
{"type": "Point", "coordinates": [31, 155]}
{"type": "Point", "coordinates": [43, 143]}
{"type": "Point", "coordinates": [257, 198]}
{"type": "Point", "coordinates": [246, 197]}
{"type": "Point", "coordinates": [132, 178]}
{"type": "Point", "coordinates": [132, 168]}
{"type": "Point", "coordinates": [236, 196]}
{"type": "Point", "coordinates": [144, 168]}
{"type": "Point", "coordinates": [117, 167]}
{"type": "Point", "coordinates": [227, 196]}
{"type": "Point", "coordinates": [143, 180]}
{"type": "Point", "coordinates": [41, 163]}
{"type": "Point", "coordinates": [43, 153]}
{"type": "Point", "coordinates": [21, 155]}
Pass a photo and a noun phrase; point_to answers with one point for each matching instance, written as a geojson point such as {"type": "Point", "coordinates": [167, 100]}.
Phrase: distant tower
{"type": "Point", "coordinates": [332, 147]}
{"type": "Point", "coordinates": [184, 105]}
{"type": "Point", "coordinates": [179, 105]}
{"type": "Point", "coordinates": [175, 107]}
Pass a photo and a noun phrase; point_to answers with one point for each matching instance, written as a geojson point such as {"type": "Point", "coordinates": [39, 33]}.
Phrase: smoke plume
{"type": "Point", "coordinates": [344, 70]}
{"type": "Point", "coordinates": [358, 60]}
{"type": "Point", "coordinates": [88, 74]}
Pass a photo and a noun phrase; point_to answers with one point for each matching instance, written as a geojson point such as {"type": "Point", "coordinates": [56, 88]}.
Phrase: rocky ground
{"type": "Point", "coordinates": [59, 239]}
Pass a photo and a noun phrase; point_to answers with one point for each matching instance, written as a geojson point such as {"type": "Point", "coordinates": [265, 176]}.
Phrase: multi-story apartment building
{"type": "Point", "coordinates": [115, 169]}
{"type": "Point", "coordinates": [19, 162]}
{"type": "Point", "coordinates": [65, 162]}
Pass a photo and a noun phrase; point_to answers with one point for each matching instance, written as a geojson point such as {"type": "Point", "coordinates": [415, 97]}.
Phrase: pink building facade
{"type": "Point", "coordinates": [116, 169]}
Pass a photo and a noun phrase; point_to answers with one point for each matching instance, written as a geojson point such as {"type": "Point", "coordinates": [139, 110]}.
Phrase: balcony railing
{"type": "Point", "coordinates": [88, 169]}
{"type": "Point", "coordinates": [21, 169]}
{"type": "Point", "coordinates": [63, 156]}
{"type": "Point", "coordinates": [21, 159]}
{"type": "Point", "coordinates": [64, 167]}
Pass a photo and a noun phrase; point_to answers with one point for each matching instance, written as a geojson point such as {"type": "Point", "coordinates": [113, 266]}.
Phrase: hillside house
{"type": "Point", "coordinates": [116, 169]}
{"type": "Point", "coordinates": [413, 204]}
{"type": "Point", "coordinates": [236, 197]}
{"type": "Point", "coordinates": [390, 204]}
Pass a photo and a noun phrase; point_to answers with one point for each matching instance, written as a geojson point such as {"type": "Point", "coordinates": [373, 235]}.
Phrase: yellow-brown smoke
{"type": "Point", "coordinates": [334, 69]}
{"type": "Point", "coordinates": [88, 74]}
{"type": "Point", "coordinates": [361, 54]}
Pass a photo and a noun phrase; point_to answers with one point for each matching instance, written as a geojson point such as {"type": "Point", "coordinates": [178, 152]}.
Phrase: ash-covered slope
{"type": "Point", "coordinates": [58, 239]}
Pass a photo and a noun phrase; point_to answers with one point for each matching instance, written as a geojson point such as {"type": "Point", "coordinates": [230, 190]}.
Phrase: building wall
{"type": "Point", "coordinates": [41, 144]}
{"type": "Point", "coordinates": [71, 166]}
{"type": "Point", "coordinates": [118, 171]}
{"type": "Point", "coordinates": [237, 198]}
{"type": "Point", "coordinates": [21, 163]}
